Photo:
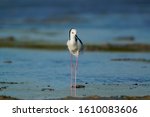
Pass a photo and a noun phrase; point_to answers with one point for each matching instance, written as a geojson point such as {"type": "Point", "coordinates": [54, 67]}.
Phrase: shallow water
{"type": "Point", "coordinates": [35, 70]}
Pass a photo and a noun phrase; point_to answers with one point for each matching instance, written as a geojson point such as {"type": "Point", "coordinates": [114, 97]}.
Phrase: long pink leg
{"type": "Point", "coordinates": [77, 63]}
{"type": "Point", "coordinates": [73, 75]}
{"type": "Point", "coordinates": [71, 67]}
{"type": "Point", "coordinates": [75, 78]}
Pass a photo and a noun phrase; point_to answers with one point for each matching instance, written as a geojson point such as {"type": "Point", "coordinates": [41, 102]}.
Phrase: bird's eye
{"type": "Point", "coordinates": [72, 32]}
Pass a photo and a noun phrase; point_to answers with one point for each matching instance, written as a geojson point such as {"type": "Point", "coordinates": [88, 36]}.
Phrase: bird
{"type": "Point", "coordinates": [75, 47]}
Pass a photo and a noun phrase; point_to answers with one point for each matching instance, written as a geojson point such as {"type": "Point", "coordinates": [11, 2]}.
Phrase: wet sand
{"type": "Point", "coordinates": [109, 98]}
{"type": "Point", "coordinates": [90, 98]}
{"type": "Point", "coordinates": [2, 97]}
{"type": "Point", "coordinates": [105, 91]}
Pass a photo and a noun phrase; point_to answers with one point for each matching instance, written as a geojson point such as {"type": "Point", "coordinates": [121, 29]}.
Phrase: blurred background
{"type": "Point", "coordinates": [119, 27]}
{"type": "Point", "coordinates": [97, 21]}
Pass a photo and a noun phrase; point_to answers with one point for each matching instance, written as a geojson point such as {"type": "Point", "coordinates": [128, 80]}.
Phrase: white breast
{"type": "Point", "coordinates": [73, 47]}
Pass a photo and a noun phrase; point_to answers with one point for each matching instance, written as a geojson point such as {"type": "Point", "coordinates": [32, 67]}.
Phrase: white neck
{"type": "Point", "coordinates": [72, 38]}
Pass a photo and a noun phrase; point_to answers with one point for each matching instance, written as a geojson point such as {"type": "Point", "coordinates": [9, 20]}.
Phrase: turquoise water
{"type": "Point", "coordinates": [35, 70]}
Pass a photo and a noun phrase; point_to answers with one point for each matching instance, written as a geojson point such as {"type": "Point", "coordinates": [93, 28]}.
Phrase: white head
{"type": "Point", "coordinates": [72, 33]}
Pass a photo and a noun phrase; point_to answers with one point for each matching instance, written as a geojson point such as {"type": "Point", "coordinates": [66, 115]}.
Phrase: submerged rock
{"type": "Point", "coordinates": [3, 88]}
{"type": "Point", "coordinates": [11, 82]}
{"type": "Point", "coordinates": [132, 59]}
{"type": "Point", "coordinates": [47, 89]}
{"type": "Point", "coordinates": [8, 61]}
{"type": "Point", "coordinates": [79, 86]}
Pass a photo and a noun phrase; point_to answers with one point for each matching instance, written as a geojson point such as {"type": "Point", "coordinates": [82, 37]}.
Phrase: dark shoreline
{"type": "Point", "coordinates": [11, 42]}
{"type": "Point", "coordinates": [147, 97]}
